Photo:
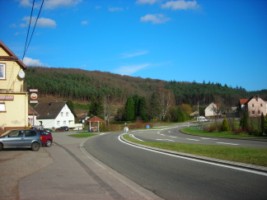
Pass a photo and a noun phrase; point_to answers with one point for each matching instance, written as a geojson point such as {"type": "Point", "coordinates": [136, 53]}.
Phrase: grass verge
{"type": "Point", "coordinates": [195, 130]}
{"type": "Point", "coordinates": [255, 156]}
{"type": "Point", "coordinates": [82, 135]}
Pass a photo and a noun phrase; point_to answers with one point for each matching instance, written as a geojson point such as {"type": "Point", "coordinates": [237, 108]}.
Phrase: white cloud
{"type": "Point", "coordinates": [146, 1]}
{"type": "Point", "coordinates": [84, 22]}
{"type": "Point", "coordinates": [115, 9]}
{"type": "Point", "coordinates": [155, 18]}
{"type": "Point", "coordinates": [32, 62]}
{"type": "Point", "coordinates": [51, 4]}
{"type": "Point", "coordinates": [181, 5]}
{"type": "Point", "coordinates": [134, 54]}
{"type": "Point", "coordinates": [25, 3]}
{"type": "Point", "coordinates": [42, 22]}
{"type": "Point", "coordinates": [130, 69]}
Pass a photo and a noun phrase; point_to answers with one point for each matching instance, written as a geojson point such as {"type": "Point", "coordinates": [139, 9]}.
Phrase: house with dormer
{"type": "Point", "coordinates": [54, 115]}
{"type": "Point", "coordinates": [13, 93]}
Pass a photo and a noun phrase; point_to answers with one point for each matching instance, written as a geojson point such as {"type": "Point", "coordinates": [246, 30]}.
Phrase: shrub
{"type": "Point", "coordinates": [225, 126]}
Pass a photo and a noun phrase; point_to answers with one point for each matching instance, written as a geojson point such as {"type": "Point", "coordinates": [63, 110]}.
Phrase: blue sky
{"type": "Point", "coordinates": [219, 41]}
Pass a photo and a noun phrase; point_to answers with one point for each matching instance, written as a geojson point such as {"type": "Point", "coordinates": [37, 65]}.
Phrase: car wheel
{"type": "Point", "coordinates": [35, 146]}
{"type": "Point", "coordinates": [48, 143]}
{"type": "Point", "coordinates": [1, 146]}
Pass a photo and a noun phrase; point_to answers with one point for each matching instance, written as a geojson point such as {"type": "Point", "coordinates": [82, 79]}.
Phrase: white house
{"type": "Point", "coordinates": [211, 110]}
{"type": "Point", "coordinates": [54, 115]}
{"type": "Point", "coordinates": [256, 107]}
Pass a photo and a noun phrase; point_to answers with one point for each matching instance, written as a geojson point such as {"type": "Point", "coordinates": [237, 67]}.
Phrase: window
{"type": "Point", "coordinates": [58, 123]}
{"type": "Point", "coordinates": [30, 133]}
{"type": "Point", "coordinates": [64, 122]}
{"type": "Point", "coordinates": [2, 107]}
{"type": "Point", "coordinates": [67, 114]}
{"type": "Point", "coordinates": [252, 105]}
{"type": "Point", "coordinates": [61, 114]}
{"type": "Point", "coordinates": [2, 71]}
{"type": "Point", "coordinates": [14, 133]}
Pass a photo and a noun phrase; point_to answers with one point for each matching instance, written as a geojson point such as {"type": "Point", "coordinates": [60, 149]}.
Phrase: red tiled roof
{"type": "Point", "coordinates": [243, 101]}
{"type": "Point", "coordinates": [95, 119]}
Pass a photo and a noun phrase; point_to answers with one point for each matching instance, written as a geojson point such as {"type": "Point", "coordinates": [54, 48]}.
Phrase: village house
{"type": "Point", "coordinates": [13, 94]}
{"type": "Point", "coordinates": [211, 110]}
{"type": "Point", "coordinates": [54, 115]}
{"type": "Point", "coordinates": [255, 106]}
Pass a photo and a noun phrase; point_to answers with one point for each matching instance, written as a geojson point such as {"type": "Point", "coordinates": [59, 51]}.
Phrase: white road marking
{"type": "Point", "coordinates": [136, 138]}
{"type": "Point", "coordinates": [204, 138]}
{"type": "Point", "coordinates": [165, 140]}
{"type": "Point", "coordinates": [173, 137]}
{"type": "Point", "coordinates": [193, 139]}
{"type": "Point", "coordinates": [195, 159]}
{"type": "Point", "coordinates": [227, 143]}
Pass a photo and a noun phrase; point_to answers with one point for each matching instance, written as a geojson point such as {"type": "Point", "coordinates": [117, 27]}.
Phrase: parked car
{"type": "Point", "coordinates": [46, 137]}
{"type": "Point", "coordinates": [62, 128]}
{"type": "Point", "coordinates": [202, 119]}
{"type": "Point", "coordinates": [21, 139]}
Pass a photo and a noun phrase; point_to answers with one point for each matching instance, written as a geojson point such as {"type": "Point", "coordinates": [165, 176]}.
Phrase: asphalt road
{"type": "Point", "coordinates": [174, 135]}
{"type": "Point", "coordinates": [172, 177]}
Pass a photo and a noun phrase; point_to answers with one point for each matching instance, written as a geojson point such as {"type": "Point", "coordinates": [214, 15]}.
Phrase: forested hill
{"type": "Point", "coordinates": [76, 84]}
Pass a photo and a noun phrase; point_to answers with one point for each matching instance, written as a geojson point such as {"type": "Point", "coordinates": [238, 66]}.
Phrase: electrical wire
{"type": "Point", "coordinates": [29, 27]}
{"type": "Point", "coordinates": [28, 44]}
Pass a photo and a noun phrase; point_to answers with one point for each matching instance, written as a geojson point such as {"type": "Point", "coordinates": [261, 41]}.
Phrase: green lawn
{"type": "Point", "coordinates": [195, 130]}
{"type": "Point", "coordinates": [256, 156]}
{"type": "Point", "coordinates": [82, 135]}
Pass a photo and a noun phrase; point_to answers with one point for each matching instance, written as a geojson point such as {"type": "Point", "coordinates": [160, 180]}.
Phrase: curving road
{"type": "Point", "coordinates": [174, 135]}
{"type": "Point", "coordinates": [172, 177]}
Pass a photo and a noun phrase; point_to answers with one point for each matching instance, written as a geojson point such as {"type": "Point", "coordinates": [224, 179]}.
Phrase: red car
{"type": "Point", "coordinates": [46, 137]}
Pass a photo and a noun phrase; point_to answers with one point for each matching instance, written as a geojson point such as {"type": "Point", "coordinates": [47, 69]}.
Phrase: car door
{"type": "Point", "coordinates": [29, 136]}
{"type": "Point", "coordinates": [14, 139]}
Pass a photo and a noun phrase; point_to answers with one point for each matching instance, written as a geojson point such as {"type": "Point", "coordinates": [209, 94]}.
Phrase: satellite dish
{"type": "Point", "coordinates": [21, 74]}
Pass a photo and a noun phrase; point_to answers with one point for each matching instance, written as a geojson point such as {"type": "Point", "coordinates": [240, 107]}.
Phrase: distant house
{"type": "Point", "coordinates": [242, 103]}
{"type": "Point", "coordinates": [54, 115]}
{"type": "Point", "coordinates": [13, 94]}
{"type": "Point", "coordinates": [211, 110]}
{"type": "Point", "coordinates": [256, 107]}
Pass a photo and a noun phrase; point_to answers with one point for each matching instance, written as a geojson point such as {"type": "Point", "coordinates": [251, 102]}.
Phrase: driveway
{"type": "Point", "coordinates": [16, 164]}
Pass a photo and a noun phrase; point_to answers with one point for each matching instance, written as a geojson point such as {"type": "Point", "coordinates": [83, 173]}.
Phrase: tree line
{"type": "Point", "coordinates": [130, 98]}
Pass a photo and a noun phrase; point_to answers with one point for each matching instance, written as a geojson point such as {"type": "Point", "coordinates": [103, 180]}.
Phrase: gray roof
{"type": "Point", "coordinates": [49, 110]}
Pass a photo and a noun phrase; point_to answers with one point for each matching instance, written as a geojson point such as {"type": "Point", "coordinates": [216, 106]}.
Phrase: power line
{"type": "Point", "coordinates": [29, 26]}
{"type": "Point", "coordinates": [28, 44]}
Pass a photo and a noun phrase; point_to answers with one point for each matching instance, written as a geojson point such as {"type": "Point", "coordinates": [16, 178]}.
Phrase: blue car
{"type": "Point", "coordinates": [21, 139]}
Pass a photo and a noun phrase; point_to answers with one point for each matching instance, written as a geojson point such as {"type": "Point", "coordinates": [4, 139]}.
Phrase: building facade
{"type": "Point", "coordinates": [256, 107]}
{"type": "Point", "coordinates": [211, 110]}
{"type": "Point", "coordinates": [54, 115]}
{"type": "Point", "coordinates": [13, 93]}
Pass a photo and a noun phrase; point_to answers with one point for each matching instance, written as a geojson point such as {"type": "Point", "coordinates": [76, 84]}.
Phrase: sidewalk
{"type": "Point", "coordinates": [75, 174]}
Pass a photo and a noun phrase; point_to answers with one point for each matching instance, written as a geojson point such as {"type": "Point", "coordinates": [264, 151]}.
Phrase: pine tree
{"type": "Point", "coordinates": [129, 109]}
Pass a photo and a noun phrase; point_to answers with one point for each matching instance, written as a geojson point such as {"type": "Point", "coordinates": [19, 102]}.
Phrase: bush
{"type": "Point", "coordinates": [225, 126]}
{"type": "Point", "coordinates": [211, 128]}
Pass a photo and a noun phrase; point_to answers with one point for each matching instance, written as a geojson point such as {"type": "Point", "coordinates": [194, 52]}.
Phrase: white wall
{"type": "Point", "coordinates": [64, 118]}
